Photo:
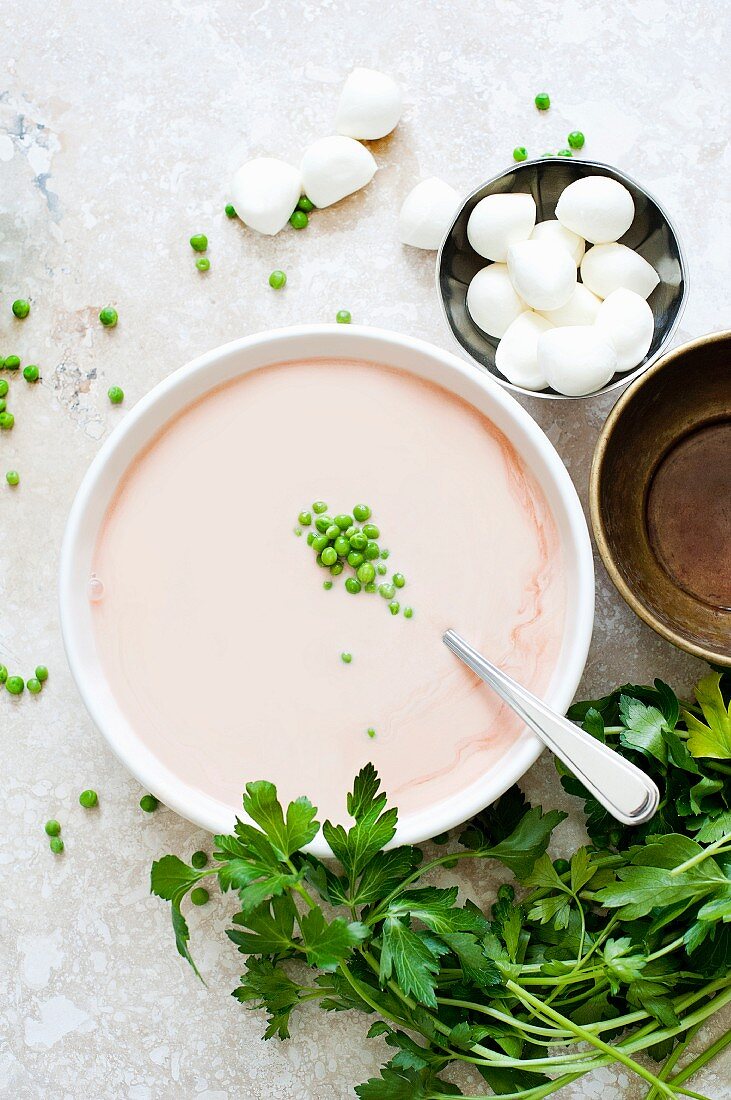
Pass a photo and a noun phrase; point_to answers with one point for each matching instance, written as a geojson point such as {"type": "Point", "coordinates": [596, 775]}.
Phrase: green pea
{"type": "Point", "coordinates": [298, 531]}
{"type": "Point", "coordinates": [15, 685]}
{"type": "Point", "coordinates": [361, 512]}
{"type": "Point", "coordinates": [545, 155]}
{"type": "Point", "coordinates": [371, 732]}
{"type": "Point", "coordinates": [342, 546]}
{"type": "Point", "coordinates": [56, 845]}
{"type": "Point", "coordinates": [229, 210]}
{"type": "Point", "coordinates": [359, 540]}
{"type": "Point", "coordinates": [4, 387]}
{"type": "Point", "coordinates": [327, 585]}
{"type": "Point", "coordinates": [542, 101]}
{"type": "Point", "coordinates": [3, 404]}
{"type": "Point", "coordinates": [346, 658]}
{"type": "Point", "coordinates": [343, 317]}
{"type": "Point", "coordinates": [371, 531]}
{"type": "Point", "coordinates": [520, 152]}
{"type": "Point", "coordinates": [115, 395]}
{"type": "Point", "coordinates": [299, 220]}
{"type": "Point", "coordinates": [322, 523]}
{"type": "Point", "coordinates": [149, 803]}
{"type": "Point", "coordinates": [387, 591]}
{"type": "Point", "coordinates": [31, 373]}
{"type": "Point", "coordinates": [88, 799]}
{"type": "Point", "coordinates": [352, 585]}
{"type": "Point", "coordinates": [408, 612]}
{"type": "Point", "coordinates": [12, 477]}
{"type": "Point", "coordinates": [199, 860]}
{"type": "Point", "coordinates": [319, 543]}
{"type": "Point", "coordinates": [561, 866]}
{"type": "Point", "coordinates": [3, 674]}
{"type": "Point", "coordinates": [343, 521]}
{"type": "Point", "coordinates": [350, 531]}
{"type": "Point", "coordinates": [319, 507]}
{"type": "Point", "coordinates": [394, 607]}
{"type": "Point", "coordinates": [564, 153]}
{"type": "Point", "coordinates": [310, 537]}
{"type": "Point", "coordinates": [399, 580]}
{"type": "Point", "coordinates": [370, 587]}
{"type": "Point", "coordinates": [277, 280]}
{"type": "Point", "coordinates": [576, 139]}
{"type": "Point", "coordinates": [12, 362]}
{"type": "Point", "coordinates": [306, 204]}
{"type": "Point", "coordinates": [199, 896]}
{"type": "Point", "coordinates": [108, 317]}
{"type": "Point", "coordinates": [34, 686]}
{"type": "Point", "coordinates": [204, 264]}
{"type": "Point", "coordinates": [6, 421]}
{"type": "Point", "coordinates": [199, 242]}
{"type": "Point", "coordinates": [41, 673]}
{"type": "Point", "coordinates": [52, 827]}
{"type": "Point", "coordinates": [506, 892]}
{"type": "Point", "coordinates": [333, 531]}
{"type": "Point", "coordinates": [355, 559]}
{"type": "Point", "coordinates": [336, 569]}
{"type": "Point", "coordinates": [329, 556]}
{"type": "Point", "coordinates": [381, 569]}
{"type": "Point", "coordinates": [372, 551]}
{"type": "Point", "coordinates": [385, 554]}
{"type": "Point", "coordinates": [21, 308]}
{"type": "Point", "coordinates": [366, 572]}
{"type": "Point", "coordinates": [305, 518]}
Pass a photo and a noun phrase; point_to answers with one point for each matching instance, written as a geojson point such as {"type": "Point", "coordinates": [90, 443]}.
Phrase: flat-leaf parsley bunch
{"type": "Point", "coordinates": [623, 950]}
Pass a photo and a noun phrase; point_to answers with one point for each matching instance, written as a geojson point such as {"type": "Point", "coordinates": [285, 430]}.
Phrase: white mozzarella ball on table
{"type": "Point", "coordinates": [334, 167]}
{"type": "Point", "coordinates": [576, 360]}
{"type": "Point", "coordinates": [626, 320]}
{"type": "Point", "coordinates": [598, 208]}
{"type": "Point", "coordinates": [370, 105]}
{"type": "Point", "coordinates": [553, 231]}
{"type": "Point", "coordinates": [491, 300]}
{"type": "Point", "coordinates": [516, 355]}
{"type": "Point", "coordinates": [427, 213]}
{"type": "Point", "coordinates": [543, 273]}
{"type": "Point", "coordinates": [264, 192]}
{"type": "Point", "coordinates": [581, 309]}
{"type": "Point", "coordinates": [607, 267]}
{"type": "Point", "coordinates": [499, 221]}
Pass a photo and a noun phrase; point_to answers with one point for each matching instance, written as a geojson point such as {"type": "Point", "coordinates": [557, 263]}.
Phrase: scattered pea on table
{"type": "Point", "coordinates": [21, 308]}
{"type": "Point", "coordinates": [306, 204]}
{"type": "Point", "coordinates": [576, 139]}
{"type": "Point", "coordinates": [520, 153]}
{"type": "Point", "coordinates": [542, 101]}
{"type": "Point", "coordinates": [203, 264]}
{"type": "Point", "coordinates": [52, 827]}
{"type": "Point", "coordinates": [343, 317]}
{"type": "Point", "coordinates": [199, 896]}
{"type": "Point", "coordinates": [115, 395]}
{"type": "Point", "coordinates": [299, 220]}
{"type": "Point", "coordinates": [15, 685]}
{"type": "Point", "coordinates": [199, 242]}
{"type": "Point", "coordinates": [199, 860]}
{"type": "Point", "coordinates": [108, 317]}
{"type": "Point", "coordinates": [149, 803]}
{"type": "Point", "coordinates": [34, 686]}
{"type": "Point", "coordinates": [12, 362]}
{"type": "Point", "coordinates": [277, 280]}
{"type": "Point", "coordinates": [88, 799]}
{"type": "Point", "coordinates": [31, 373]}
{"type": "Point", "coordinates": [56, 845]}
{"type": "Point", "coordinates": [230, 210]}
{"type": "Point", "coordinates": [12, 477]}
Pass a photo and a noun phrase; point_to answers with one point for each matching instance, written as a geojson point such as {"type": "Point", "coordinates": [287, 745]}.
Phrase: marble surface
{"type": "Point", "coordinates": [119, 128]}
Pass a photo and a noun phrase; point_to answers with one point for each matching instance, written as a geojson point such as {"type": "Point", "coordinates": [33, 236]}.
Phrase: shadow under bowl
{"type": "Point", "coordinates": [651, 234]}
{"type": "Point", "coordinates": [660, 497]}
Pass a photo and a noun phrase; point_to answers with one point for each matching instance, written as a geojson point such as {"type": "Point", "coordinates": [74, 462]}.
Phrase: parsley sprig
{"type": "Point", "coordinates": [624, 950]}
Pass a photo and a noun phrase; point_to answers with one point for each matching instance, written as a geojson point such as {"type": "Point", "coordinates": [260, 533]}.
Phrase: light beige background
{"type": "Point", "coordinates": [120, 125]}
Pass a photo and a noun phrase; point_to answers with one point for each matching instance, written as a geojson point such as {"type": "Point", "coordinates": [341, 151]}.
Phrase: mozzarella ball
{"type": "Point", "coordinates": [499, 221]}
{"type": "Point", "coordinates": [334, 167]}
{"type": "Point", "coordinates": [626, 321]}
{"type": "Point", "coordinates": [264, 192]}
{"type": "Point", "coordinates": [607, 267]}
{"type": "Point", "coordinates": [543, 273]}
{"type": "Point", "coordinates": [491, 300]}
{"type": "Point", "coordinates": [370, 105]}
{"type": "Point", "coordinates": [581, 309]}
{"type": "Point", "coordinates": [556, 233]}
{"type": "Point", "coordinates": [427, 213]}
{"type": "Point", "coordinates": [517, 353]}
{"type": "Point", "coordinates": [597, 208]}
{"type": "Point", "coordinates": [576, 360]}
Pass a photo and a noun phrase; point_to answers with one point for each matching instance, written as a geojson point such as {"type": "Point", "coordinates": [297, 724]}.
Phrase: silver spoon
{"type": "Point", "coordinates": [623, 789]}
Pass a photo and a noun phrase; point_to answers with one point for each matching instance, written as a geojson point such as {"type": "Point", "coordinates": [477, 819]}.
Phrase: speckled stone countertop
{"type": "Point", "coordinates": [119, 129]}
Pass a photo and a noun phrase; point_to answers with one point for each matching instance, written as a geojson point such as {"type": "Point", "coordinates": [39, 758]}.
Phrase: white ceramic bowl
{"type": "Point", "coordinates": [184, 387]}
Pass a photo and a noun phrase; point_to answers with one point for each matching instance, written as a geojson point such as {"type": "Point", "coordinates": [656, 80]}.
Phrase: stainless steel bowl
{"type": "Point", "coordinates": [652, 234]}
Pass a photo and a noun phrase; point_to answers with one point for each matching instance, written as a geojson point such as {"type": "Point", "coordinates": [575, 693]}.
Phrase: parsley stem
{"type": "Point", "coordinates": [706, 1056]}
{"type": "Point", "coordinates": [716, 846]}
{"type": "Point", "coordinates": [669, 1063]}
{"type": "Point", "coordinates": [378, 914]}
{"type": "Point", "coordinates": [718, 766]}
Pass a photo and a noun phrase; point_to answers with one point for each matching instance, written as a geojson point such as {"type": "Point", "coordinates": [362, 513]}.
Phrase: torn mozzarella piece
{"type": "Point", "coordinates": [598, 208]}
{"type": "Point", "coordinates": [334, 167]}
{"type": "Point", "coordinates": [581, 309]}
{"type": "Point", "coordinates": [607, 267]}
{"type": "Point", "coordinates": [264, 192]}
{"type": "Point", "coordinates": [556, 233]}
{"type": "Point", "coordinates": [576, 360]}
{"type": "Point", "coordinates": [516, 356]}
{"type": "Point", "coordinates": [427, 213]}
{"type": "Point", "coordinates": [543, 273]}
{"type": "Point", "coordinates": [370, 105]}
{"type": "Point", "coordinates": [498, 221]}
{"type": "Point", "coordinates": [491, 300]}
{"type": "Point", "coordinates": [627, 322]}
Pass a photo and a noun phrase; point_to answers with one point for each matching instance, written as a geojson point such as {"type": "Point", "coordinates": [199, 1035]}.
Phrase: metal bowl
{"type": "Point", "coordinates": [652, 234]}
{"type": "Point", "coordinates": [667, 552]}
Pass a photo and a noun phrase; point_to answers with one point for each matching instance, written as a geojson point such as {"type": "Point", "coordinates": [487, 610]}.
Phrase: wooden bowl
{"type": "Point", "coordinates": [660, 496]}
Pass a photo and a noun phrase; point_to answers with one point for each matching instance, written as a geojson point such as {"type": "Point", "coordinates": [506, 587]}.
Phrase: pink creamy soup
{"type": "Point", "coordinates": [223, 648]}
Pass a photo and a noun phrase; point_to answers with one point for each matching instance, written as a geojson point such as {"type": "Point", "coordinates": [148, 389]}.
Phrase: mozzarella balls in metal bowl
{"type": "Point", "coordinates": [576, 246]}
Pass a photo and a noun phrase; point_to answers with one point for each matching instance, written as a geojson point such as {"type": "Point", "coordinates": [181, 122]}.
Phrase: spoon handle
{"type": "Point", "coordinates": [623, 789]}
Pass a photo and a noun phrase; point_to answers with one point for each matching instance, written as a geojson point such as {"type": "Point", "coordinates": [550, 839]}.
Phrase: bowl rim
{"type": "Point", "coordinates": [312, 342]}
{"type": "Point", "coordinates": [597, 520]}
{"type": "Point", "coordinates": [623, 379]}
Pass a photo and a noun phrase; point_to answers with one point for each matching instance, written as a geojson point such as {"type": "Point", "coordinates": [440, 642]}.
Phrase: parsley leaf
{"type": "Point", "coordinates": [325, 944]}
{"type": "Point", "coordinates": [285, 835]}
{"type": "Point", "coordinates": [413, 958]}
{"type": "Point", "coordinates": [374, 826]}
{"type": "Point", "coordinates": [713, 739]}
